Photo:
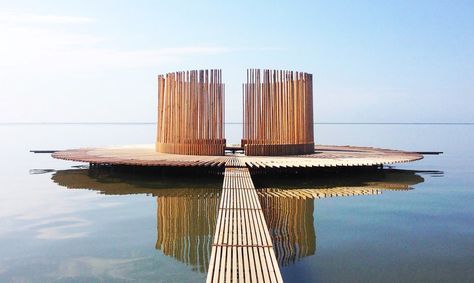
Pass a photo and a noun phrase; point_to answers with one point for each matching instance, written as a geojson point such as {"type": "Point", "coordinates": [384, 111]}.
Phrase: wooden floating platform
{"type": "Point", "coordinates": [323, 156]}
{"type": "Point", "coordinates": [242, 249]}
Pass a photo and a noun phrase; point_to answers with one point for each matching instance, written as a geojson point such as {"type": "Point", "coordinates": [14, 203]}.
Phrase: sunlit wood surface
{"type": "Point", "coordinates": [323, 156]}
{"type": "Point", "coordinates": [278, 113]}
{"type": "Point", "coordinates": [242, 249]}
{"type": "Point", "coordinates": [191, 113]}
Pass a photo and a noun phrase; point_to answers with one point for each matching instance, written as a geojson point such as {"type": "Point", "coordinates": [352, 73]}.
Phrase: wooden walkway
{"type": "Point", "coordinates": [242, 249]}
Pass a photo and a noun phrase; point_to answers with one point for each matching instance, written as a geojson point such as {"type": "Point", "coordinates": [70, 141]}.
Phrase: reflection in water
{"type": "Point", "coordinates": [288, 204]}
{"type": "Point", "coordinates": [185, 227]}
{"type": "Point", "coordinates": [187, 207]}
{"type": "Point", "coordinates": [291, 224]}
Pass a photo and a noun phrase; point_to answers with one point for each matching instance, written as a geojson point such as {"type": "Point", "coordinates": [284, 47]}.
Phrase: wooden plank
{"type": "Point", "coordinates": [278, 113]}
{"type": "Point", "coordinates": [327, 156]}
{"type": "Point", "coordinates": [190, 107]}
{"type": "Point", "coordinates": [242, 249]}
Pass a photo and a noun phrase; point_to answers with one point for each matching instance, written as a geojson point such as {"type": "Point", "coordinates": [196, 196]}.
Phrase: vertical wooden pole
{"type": "Point", "coordinates": [191, 113]}
{"type": "Point", "coordinates": [278, 112]}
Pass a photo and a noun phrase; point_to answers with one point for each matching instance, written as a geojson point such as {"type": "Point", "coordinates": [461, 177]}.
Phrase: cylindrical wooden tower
{"type": "Point", "coordinates": [278, 113]}
{"type": "Point", "coordinates": [191, 113]}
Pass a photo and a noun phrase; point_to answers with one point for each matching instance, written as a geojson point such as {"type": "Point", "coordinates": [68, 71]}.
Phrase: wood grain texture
{"type": "Point", "coordinates": [242, 249]}
{"type": "Point", "coordinates": [191, 113]}
{"type": "Point", "coordinates": [324, 156]}
{"type": "Point", "coordinates": [278, 113]}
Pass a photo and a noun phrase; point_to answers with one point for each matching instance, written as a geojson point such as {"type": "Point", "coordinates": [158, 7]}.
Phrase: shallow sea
{"type": "Point", "coordinates": [61, 223]}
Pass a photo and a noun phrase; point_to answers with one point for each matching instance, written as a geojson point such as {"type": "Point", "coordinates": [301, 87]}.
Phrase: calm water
{"type": "Point", "coordinates": [62, 223]}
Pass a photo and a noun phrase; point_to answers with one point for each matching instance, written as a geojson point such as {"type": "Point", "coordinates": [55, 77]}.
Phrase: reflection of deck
{"type": "Point", "coordinates": [187, 208]}
{"type": "Point", "coordinates": [316, 193]}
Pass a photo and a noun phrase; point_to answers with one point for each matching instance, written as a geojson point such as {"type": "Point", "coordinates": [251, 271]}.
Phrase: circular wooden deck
{"type": "Point", "coordinates": [324, 156]}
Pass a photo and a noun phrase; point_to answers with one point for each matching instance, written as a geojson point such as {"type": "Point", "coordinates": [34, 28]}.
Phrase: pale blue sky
{"type": "Point", "coordinates": [373, 61]}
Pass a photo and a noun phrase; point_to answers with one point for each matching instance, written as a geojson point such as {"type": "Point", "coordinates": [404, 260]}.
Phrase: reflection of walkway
{"type": "Point", "coordinates": [187, 207]}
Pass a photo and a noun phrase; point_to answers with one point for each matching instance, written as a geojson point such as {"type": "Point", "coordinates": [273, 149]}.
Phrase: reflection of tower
{"type": "Point", "coordinates": [185, 227]}
{"type": "Point", "coordinates": [291, 224]}
{"type": "Point", "coordinates": [187, 208]}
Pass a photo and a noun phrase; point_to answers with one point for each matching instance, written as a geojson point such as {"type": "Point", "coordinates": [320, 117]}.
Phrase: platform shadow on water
{"type": "Point", "coordinates": [187, 207]}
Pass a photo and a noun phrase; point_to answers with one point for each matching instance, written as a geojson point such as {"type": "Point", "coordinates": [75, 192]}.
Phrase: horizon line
{"type": "Point", "coordinates": [237, 123]}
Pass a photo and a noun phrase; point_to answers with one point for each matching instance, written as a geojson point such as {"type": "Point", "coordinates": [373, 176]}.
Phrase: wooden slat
{"type": "Point", "coordinates": [326, 156]}
{"type": "Point", "coordinates": [190, 113]}
{"type": "Point", "coordinates": [242, 248]}
{"type": "Point", "coordinates": [278, 113]}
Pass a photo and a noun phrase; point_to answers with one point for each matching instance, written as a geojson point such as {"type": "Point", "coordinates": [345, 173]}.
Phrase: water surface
{"type": "Point", "coordinates": [60, 223]}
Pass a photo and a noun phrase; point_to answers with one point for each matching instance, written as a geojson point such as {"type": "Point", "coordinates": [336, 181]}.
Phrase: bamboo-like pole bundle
{"type": "Point", "coordinates": [278, 113]}
{"type": "Point", "coordinates": [191, 113]}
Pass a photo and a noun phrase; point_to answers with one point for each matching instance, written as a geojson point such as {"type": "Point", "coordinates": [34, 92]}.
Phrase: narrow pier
{"type": "Point", "coordinates": [242, 250]}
